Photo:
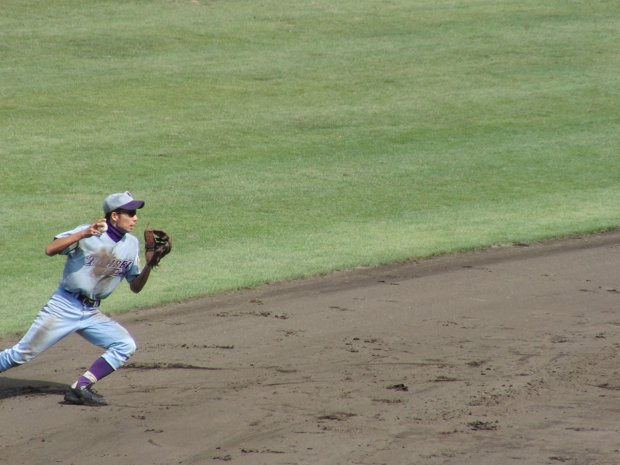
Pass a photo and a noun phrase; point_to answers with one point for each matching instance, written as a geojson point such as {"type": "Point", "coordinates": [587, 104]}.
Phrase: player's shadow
{"type": "Point", "coordinates": [10, 387]}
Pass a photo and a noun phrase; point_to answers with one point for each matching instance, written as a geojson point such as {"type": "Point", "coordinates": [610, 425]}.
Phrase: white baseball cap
{"type": "Point", "coordinates": [122, 200]}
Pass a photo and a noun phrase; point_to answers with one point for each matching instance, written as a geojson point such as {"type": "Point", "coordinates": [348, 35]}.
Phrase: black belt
{"type": "Point", "coordinates": [87, 301]}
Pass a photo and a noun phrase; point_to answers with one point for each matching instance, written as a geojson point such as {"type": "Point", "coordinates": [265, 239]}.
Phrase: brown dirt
{"type": "Point", "coordinates": [507, 356]}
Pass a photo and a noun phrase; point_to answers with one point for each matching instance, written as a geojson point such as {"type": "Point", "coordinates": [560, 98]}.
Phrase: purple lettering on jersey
{"type": "Point", "coordinates": [107, 265]}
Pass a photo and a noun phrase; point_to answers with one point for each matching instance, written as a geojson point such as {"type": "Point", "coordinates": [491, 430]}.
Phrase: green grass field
{"type": "Point", "coordinates": [278, 139]}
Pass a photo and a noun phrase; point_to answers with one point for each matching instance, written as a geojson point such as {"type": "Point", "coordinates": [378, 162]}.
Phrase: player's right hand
{"type": "Point", "coordinates": [98, 228]}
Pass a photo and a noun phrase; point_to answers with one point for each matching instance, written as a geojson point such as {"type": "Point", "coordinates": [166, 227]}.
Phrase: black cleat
{"type": "Point", "coordinates": [84, 396]}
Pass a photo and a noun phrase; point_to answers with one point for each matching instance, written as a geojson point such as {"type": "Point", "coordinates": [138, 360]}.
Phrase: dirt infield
{"type": "Point", "coordinates": [507, 356]}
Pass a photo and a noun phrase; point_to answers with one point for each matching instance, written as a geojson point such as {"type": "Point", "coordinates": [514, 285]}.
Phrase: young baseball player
{"type": "Point", "coordinates": [99, 257]}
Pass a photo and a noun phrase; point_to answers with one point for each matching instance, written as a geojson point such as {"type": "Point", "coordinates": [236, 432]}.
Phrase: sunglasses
{"type": "Point", "coordinates": [127, 212]}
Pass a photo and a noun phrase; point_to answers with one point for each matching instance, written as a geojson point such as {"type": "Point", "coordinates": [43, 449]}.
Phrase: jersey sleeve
{"type": "Point", "coordinates": [75, 245]}
{"type": "Point", "coordinates": [134, 271]}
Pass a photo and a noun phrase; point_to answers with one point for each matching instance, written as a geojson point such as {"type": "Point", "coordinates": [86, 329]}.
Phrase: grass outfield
{"type": "Point", "coordinates": [278, 139]}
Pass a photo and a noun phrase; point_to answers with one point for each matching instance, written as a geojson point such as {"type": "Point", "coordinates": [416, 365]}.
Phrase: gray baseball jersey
{"type": "Point", "coordinates": [96, 265]}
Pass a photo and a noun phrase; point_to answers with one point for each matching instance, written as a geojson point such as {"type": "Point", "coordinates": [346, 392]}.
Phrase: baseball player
{"type": "Point", "coordinates": [99, 257]}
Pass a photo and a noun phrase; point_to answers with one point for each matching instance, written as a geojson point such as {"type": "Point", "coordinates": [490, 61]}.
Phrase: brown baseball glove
{"type": "Point", "coordinates": [157, 244]}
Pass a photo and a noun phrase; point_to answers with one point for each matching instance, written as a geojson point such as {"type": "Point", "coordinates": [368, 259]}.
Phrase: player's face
{"type": "Point", "coordinates": [126, 220]}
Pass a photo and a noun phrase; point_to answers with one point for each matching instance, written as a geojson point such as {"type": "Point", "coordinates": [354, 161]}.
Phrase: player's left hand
{"type": "Point", "coordinates": [157, 244]}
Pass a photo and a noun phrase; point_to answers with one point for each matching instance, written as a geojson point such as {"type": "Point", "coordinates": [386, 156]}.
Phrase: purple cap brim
{"type": "Point", "coordinates": [133, 205]}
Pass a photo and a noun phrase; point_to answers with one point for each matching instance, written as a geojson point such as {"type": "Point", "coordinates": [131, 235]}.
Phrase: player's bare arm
{"type": "Point", "coordinates": [140, 281]}
{"type": "Point", "coordinates": [60, 244]}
